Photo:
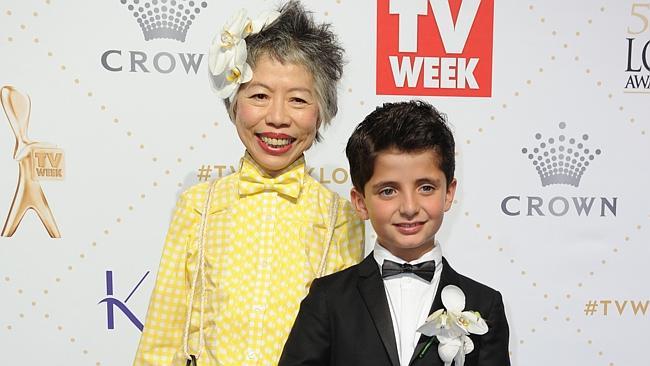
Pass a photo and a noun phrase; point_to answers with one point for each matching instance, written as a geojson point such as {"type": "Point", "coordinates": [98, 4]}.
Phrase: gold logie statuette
{"type": "Point", "coordinates": [36, 161]}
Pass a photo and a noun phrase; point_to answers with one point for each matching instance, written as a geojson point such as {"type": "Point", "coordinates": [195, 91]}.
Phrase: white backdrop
{"type": "Point", "coordinates": [573, 278]}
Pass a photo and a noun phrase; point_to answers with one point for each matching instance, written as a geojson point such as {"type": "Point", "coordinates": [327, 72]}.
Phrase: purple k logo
{"type": "Point", "coordinates": [112, 302]}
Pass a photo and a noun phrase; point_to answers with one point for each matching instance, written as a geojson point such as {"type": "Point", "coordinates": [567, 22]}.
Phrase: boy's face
{"type": "Point", "coordinates": [405, 200]}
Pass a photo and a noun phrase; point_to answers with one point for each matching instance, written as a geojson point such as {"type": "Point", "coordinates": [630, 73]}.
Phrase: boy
{"type": "Point", "coordinates": [402, 168]}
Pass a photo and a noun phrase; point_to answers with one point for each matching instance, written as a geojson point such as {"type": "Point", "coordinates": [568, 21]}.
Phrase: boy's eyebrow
{"type": "Point", "coordinates": [435, 181]}
{"type": "Point", "coordinates": [384, 183]}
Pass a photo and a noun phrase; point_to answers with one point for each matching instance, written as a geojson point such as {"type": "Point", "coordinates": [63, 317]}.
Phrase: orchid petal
{"type": "Point", "coordinates": [468, 344]}
{"type": "Point", "coordinates": [443, 320]}
{"type": "Point", "coordinates": [239, 54]}
{"type": "Point", "coordinates": [228, 90]}
{"type": "Point", "coordinates": [237, 23]}
{"type": "Point", "coordinates": [221, 85]}
{"type": "Point", "coordinates": [246, 74]}
{"type": "Point", "coordinates": [428, 329]}
{"type": "Point", "coordinates": [228, 54]}
{"type": "Point", "coordinates": [446, 326]}
{"type": "Point", "coordinates": [452, 332]}
{"type": "Point", "coordinates": [264, 19]}
{"type": "Point", "coordinates": [445, 339]}
{"type": "Point", "coordinates": [459, 360]}
{"type": "Point", "coordinates": [212, 56]}
{"type": "Point", "coordinates": [476, 324]}
{"type": "Point", "coordinates": [448, 350]}
{"type": "Point", "coordinates": [231, 98]}
{"type": "Point", "coordinates": [432, 322]}
{"type": "Point", "coordinates": [217, 82]}
{"type": "Point", "coordinates": [218, 59]}
{"type": "Point", "coordinates": [455, 325]}
{"type": "Point", "coordinates": [455, 330]}
{"type": "Point", "coordinates": [435, 314]}
{"type": "Point", "coordinates": [453, 298]}
{"type": "Point", "coordinates": [452, 327]}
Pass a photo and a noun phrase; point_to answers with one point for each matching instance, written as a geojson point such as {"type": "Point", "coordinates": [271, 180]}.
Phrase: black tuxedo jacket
{"type": "Point", "coordinates": [345, 321]}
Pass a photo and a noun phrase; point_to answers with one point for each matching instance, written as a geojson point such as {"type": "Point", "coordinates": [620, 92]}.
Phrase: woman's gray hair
{"type": "Point", "coordinates": [295, 37]}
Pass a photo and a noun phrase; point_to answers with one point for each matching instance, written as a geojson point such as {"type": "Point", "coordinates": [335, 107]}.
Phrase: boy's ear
{"type": "Point", "coordinates": [359, 203]}
{"type": "Point", "coordinates": [451, 192]}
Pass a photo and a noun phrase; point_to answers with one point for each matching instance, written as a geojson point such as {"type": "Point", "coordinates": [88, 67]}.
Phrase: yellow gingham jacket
{"type": "Point", "coordinates": [262, 252]}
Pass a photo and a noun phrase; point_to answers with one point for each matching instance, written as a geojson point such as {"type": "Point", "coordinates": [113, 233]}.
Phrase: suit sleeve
{"type": "Point", "coordinates": [162, 337]}
{"type": "Point", "coordinates": [309, 341]}
{"type": "Point", "coordinates": [494, 344]}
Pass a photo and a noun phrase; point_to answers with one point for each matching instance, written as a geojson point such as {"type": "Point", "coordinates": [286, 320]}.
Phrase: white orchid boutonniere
{"type": "Point", "coordinates": [452, 327]}
{"type": "Point", "coordinates": [227, 56]}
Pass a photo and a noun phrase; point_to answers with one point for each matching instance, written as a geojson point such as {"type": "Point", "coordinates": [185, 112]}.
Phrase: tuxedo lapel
{"type": "Point", "coordinates": [373, 293]}
{"type": "Point", "coordinates": [447, 277]}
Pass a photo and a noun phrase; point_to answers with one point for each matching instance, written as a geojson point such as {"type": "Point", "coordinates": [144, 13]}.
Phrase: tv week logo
{"type": "Point", "coordinates": [435, 47]}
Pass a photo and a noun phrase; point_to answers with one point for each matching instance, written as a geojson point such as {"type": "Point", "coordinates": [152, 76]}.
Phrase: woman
{"type": "Point", "coordinates": [242, 251]}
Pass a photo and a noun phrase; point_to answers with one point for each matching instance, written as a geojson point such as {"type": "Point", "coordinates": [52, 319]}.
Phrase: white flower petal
{"type": "Point", "coordinates": [433, 322]}
{"type": "Point", "coordinates": [452, 327]}
{"type": "Point", "coordinates": [428, 329]}
{"type": "Point", "coordinates": [454, 323]}
{"type": "Point", "coordinates": [435, 314]}
{"type": "Point", "coordinates": [233, 93]}
{"type": "Point", "coordinates": [228, 54]}
{"type": "Point", "coordinates": [468, 344]}
{"type": "Point", "coordinates": [246, 74]}
{"type": "Point", "coordinates": [443, 320]}
{"type": "Point", "coordinates": [228, 90]}
{"type": "Point", "coordinates": [219, 59]}
{"type": "Point", "coordinates": [442, 332]}
{"type": "Point", "coordinates": [455, 330]}
{"type": "Point", "coordinates": [449, 350]}
{"type": "Point", "coordinates": [213, 53]}
{"type": "Point", "coordinates": [476, 324]}
{"type": "Point", "coordinates": [264, 19]}
{"type": "Point", "coordinates": [237, 23]}
{"type": "Point", "coordinates": [239, 54]}
{"type": "Point", "coordinates": [223, 87]}
{"type": "Point", "coordinates": [217, 82]}
{"type": "Point", "coordinates": [459, 360]}
{"type": "Point", "coordinates": [452, 330]}
{"type": "Point", "coordinates": [445, 339]}
{"type": "Point", "coordinates": [453, 298]}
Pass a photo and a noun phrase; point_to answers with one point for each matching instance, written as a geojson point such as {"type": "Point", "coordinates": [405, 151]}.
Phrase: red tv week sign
{"type": "Point", "coordinates": [435, 47]}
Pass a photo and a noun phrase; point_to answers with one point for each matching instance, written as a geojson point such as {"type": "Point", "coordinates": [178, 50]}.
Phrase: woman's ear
{"type": "Point", "coordinates": [232, 109]}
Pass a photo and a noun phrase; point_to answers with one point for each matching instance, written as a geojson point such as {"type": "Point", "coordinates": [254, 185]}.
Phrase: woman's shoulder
{"type": "Point", "coordinates": [197, 194]}
{"type": "Point", "coordinates": [316, 191]}
{"type": "Point", "coordinates": [324, 196]}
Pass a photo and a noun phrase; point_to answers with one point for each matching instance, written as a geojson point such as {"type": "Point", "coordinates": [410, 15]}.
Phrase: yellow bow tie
{"type": "Point", "coordinates": [253, 181]}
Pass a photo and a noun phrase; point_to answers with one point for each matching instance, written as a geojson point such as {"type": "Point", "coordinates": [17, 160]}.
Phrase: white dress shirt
{"type": "Point", "coordinates": [409, 298]}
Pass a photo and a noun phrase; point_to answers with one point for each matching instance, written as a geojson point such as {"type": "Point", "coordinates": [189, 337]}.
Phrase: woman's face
{"type": "Point", "coordinates": [277, 113]}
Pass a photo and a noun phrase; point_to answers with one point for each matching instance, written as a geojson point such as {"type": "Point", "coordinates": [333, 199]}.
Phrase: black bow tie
{"type": "Point", "coordinates": [423, 270]}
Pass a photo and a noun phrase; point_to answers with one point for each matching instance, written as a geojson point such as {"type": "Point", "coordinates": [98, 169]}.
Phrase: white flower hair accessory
{"type": "Point", "coordinates": [227, 56]}
{"type": "Point", "coordinates": [452, 327]}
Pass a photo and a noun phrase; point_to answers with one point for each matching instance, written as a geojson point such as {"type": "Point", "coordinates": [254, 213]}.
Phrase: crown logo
{"type": "Point", "coordinates": [559, 160]}
{"type": "Point", "coordinates": [169, 19]}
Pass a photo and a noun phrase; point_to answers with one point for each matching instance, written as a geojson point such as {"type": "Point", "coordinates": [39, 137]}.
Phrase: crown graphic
{"type": "Point", "coordinates": [559, 160]}
{"type": "Point", "coordinates": [169, 19]}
